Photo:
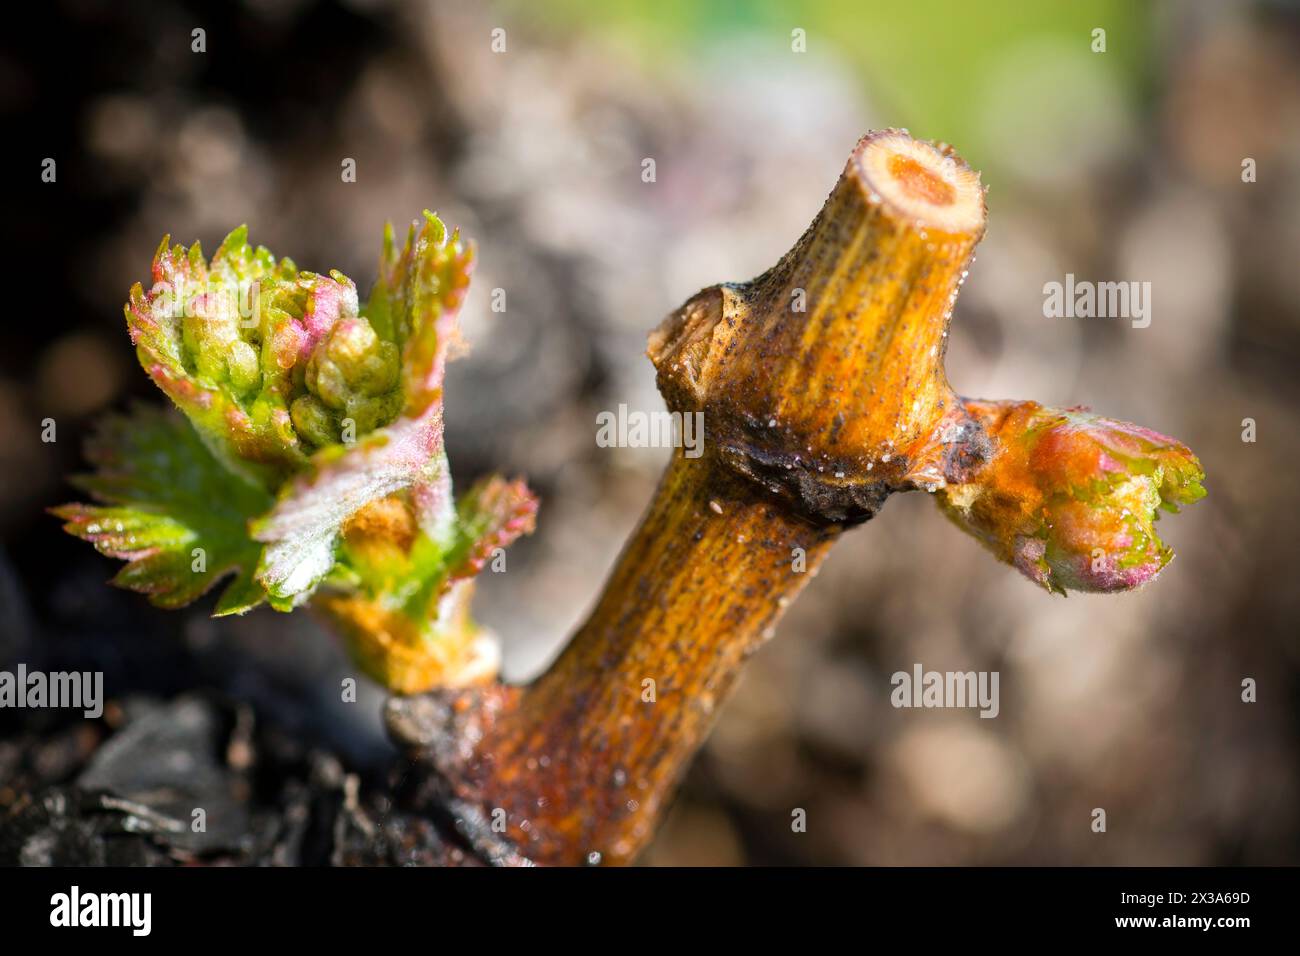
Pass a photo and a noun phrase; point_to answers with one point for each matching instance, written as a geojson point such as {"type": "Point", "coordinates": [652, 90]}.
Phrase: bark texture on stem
{"type": "Point", "coordinates": [586, 755]}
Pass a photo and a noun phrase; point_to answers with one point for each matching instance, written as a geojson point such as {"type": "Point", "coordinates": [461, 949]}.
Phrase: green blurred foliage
{"type": "Point", "coordinates": [927, 65]}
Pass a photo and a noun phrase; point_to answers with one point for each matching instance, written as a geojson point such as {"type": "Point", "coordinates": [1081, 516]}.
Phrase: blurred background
{"type": "Point", "coordinates": [1117, 165]}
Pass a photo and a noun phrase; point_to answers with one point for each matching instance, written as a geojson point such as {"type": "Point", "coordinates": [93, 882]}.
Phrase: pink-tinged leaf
{"type": "Point", "coordinates": [491, 515]}
{"type": "Point", "coordinates": [302, 531]}
{"type": "Point", "coordinates": [415, 303]}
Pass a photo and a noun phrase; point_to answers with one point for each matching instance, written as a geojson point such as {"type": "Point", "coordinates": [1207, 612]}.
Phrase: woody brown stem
{"type": "Point", "coordinates": [823, 391]}
{"type": "Point", "coordinates": [584, 759]}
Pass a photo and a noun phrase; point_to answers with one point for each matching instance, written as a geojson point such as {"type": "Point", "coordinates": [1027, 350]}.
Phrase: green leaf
{"type": "Point", "coordinates": [170, 510]}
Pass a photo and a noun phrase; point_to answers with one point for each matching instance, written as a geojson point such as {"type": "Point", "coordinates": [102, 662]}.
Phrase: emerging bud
{"type": "Point", "coordinates": [351, 374]}
{"type": "Point", "coordinates": [231, 342]}
{"type": "Point", "coordinates": [315, 467]}
{"type": "Point", "coordinates": [1070, 498]}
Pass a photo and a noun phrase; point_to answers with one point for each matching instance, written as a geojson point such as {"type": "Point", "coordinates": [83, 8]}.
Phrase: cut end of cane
{"type": "Point", "coordinates": [926, 185]}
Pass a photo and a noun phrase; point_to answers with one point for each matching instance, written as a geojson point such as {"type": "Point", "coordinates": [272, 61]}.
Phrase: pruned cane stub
{"type": "Point", "coordinates": [822, 379]}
